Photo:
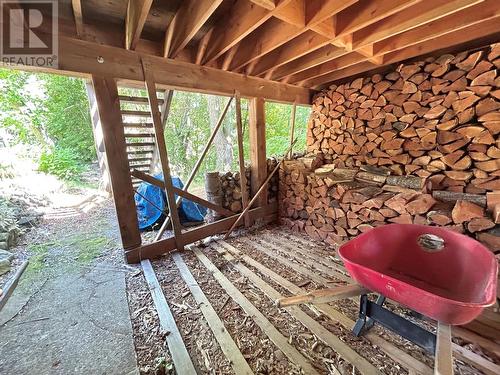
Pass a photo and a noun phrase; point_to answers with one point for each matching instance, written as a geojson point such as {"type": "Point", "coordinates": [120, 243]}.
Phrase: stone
{"type": "Point", "coordinates": [4, 266]}
{"type": "Point", "coordinates": [4, 254]}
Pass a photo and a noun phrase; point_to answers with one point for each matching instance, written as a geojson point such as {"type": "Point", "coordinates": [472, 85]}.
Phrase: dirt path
{"type": "Point", "coordinates": [69, 313]}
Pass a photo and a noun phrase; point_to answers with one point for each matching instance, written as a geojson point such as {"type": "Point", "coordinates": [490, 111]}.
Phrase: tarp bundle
{"type": "Point", "coordinates": [151, 203]}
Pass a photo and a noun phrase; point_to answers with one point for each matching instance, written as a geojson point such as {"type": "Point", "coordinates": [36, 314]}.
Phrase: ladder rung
{"type": "Point", "coordinates": [140, 144]}
{"type": "Point", "coordinates": [139, 152]}
{"type": "Point", "coordinates": [136, 99]}
{"type": "Point", "coordinates": [137, 166]}
{"type": "Point", "coordinates": [138, 125]}
{"type": "Point", "coordinates": [136, 113]}
{"type": "Point", "coordinates": [140, 159]}
{"type": "Point", "coordinates": [139, 135]}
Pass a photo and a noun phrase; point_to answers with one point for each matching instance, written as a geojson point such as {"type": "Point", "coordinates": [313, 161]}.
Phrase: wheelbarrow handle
{"type": "Point", "coordinates": [323, 295]}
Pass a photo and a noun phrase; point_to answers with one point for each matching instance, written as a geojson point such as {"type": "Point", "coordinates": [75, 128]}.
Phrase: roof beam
{"type": "Point", "coordinates": [268, 4]}
{"type": "Point", "coordinates": [77, 12]}
{"type": "Point", "coordinates": [78, 57]}
{"type": "Point", "coordinates": [188, 20]}
{"type": "Point", "coordinates": [407, 19]}
{"type": "Point", "coordinates": [243, 18]}
{"type": "Point", "coordinates": [456, 21]}
{"type": "Point", "coordinates": [320, 10]}
{"type": "Point", "coordinates": [342, 24]}
{"type": "Point", "coordinates": [137, 13]}
{"type": "Point", "coordinates": [474, 32]}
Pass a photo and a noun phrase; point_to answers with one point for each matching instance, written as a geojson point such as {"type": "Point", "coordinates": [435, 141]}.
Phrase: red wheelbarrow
{"type": "Point", "coordinates": [436, 272]}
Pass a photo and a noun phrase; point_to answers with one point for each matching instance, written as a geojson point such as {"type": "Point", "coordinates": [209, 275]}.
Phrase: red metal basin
{"type": "Point", "coordinates": [452, 285]}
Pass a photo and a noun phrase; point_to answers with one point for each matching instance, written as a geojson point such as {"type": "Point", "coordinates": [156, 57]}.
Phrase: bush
{"type": "Point", "coordinates": [61, 162]}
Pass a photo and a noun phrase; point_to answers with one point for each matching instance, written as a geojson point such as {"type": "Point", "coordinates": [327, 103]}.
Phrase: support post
{"type": "Point", "coordinates": [241, 158]}
{"type": "Point", "coordinates": [98, 139]}
{"type": "Point", "coordinates": [165, 110]}
{"type": "Point", "coordinates": [258, 161]}
{"type": "Point", "coordinates": [108, 103]}
{"type": "Point", "coordinates": [292, 129]}
{"type": "Point", "coordinates": [163, 155]}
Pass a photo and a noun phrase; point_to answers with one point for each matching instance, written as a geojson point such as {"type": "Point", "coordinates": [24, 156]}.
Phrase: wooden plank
{"type": "Point", "coordinates": [165, 111]}
{"type": "Point", "coordinates": [241, 158]}
{"type": "Point", "coordinates": [10, 285]}
{"type": "Point", "coordinates": [396, 354]}
{"type": "Point", "coordinates": [197, 164]}
{"type": "Point", "coordinates": [476, 339]}
{"type": "Point", "coordinates": [264, 324]}
{"type": "Point", "coordinates": [78, 57]}
{"type": "Point", "coordinates": [319, 10]}
{"type": "Point", "coordinates": [139, 135]}
{"type": "Point", "coordinates": [226, 343]}
{"type": "Point", "coordinates": [257, 136]}
{"type": "Point", "coordinates": [136, 99]}
{"type": "Point", "coordinates": [417, 15]}
{"type": "Point", "coordinates": [137, 13]}
{"type": "Point", "coordinates": [155, 249]}
{"type": "Point", "coordinates": [176, 347]}
{"type": "Point", "coordinates": [188, 20]}
{"type": "Point", "coordinates": [323, 295]}
{"type": "Point", "coordinates": [316, 328]}
{"type": "Point", "coordinates": [314, 264]}
{"type": "Point", "coordinates": [292, 129]}
{"type": "Point", "coordinates": [126, 112]}
{"type": "Point", "coordinates": [108, 104]}
{"type": "Point", "coordinates": [138, 125]}
{"type": "Point", "coordinates": [475, 360]}
{"type": "Point", "coordinates": [444, 358]}
{"type": "Point", "coordinates": [163, 156]}
{"type": "Point", "coordinates": [183, 193]}
{"type": "Point", "coordinates": [77, 13]}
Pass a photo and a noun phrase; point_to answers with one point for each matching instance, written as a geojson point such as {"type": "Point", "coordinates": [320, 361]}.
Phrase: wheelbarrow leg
{"type": "Point", "coordinates": [364, 321]}
{"type": "Point", "coordinates": [443, 357]}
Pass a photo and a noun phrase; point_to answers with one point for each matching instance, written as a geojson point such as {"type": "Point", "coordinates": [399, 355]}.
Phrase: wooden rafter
{"type": "Point", "coordinates": [470, 33]}
{"type": "Point", "coordinates": [137, 12]}
{"type": "Point", "coordinates": [188, 20]}
{"type": "Point", "coordinates": [77, 13]}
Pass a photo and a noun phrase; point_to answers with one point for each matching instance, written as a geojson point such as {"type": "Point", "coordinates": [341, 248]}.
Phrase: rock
{"type": "Point", "coordinates": [4, 254]}
{"type": "Point", "coordinates": [4, 266]}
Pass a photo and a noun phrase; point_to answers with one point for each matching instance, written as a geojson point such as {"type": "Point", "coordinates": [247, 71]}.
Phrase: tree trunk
{"type": "Point", "coordinates": [222, 145]}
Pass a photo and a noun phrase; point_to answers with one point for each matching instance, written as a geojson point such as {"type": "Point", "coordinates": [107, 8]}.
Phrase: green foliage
{"type": "Point", "coordinates": [50, 112]}
{"type": "Point", "coordinates": [61, 162]}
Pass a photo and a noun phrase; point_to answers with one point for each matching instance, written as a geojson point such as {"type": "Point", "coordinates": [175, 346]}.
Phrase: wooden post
{"type": "Point", "coordinates": [98, 141]}
{"type": "Point", "coordinates": [258, 161]}
{"type": "Point", "coordinates": [165, 111]}
{"type": "Point", "coordinates": [292, 129]}
{"type": "Point", "coordinates": [108, 104]}
{"type": "Point", "coordinates": [241, 159]}
{"type": "Point", "coordinates": [163, 155]}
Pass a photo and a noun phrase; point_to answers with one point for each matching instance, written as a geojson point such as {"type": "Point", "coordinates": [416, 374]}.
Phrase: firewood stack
{"type": "Point", "coordinates": [417, 145]}
{"type": "Point", "coordinates": [436, 119]}
{"type": "Point", "coordinates": [335, 204]}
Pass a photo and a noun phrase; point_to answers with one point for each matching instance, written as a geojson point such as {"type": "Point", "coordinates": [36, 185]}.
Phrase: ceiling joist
{"type": "Point", "coordinates": [137, 12]}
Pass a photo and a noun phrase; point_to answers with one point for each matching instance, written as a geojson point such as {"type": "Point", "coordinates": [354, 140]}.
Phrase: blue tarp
{"type": "Point", "coordinates": [151, 202]}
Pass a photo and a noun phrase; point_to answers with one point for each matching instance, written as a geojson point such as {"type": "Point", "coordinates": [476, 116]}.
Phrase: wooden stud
{"type": "Point", "coordinates": [258, 157]}
{"type": "Point", "coordinates": [176, 346]}
{"type": "Point", "coordinates": [241, 158]}
{"type": "Point", "coordinates": [77, 13]}
{"type": "Point", "coordinates": [323, 295]}
{"type": "Point", "coordinates": [108, 104]}
{"type": "Point", "coordinates": [165, 111]}
{"type": "Point", "coordinates": [444, 357]}
{"type": "Point", "coordinates": [163, 155]}
{"type": "Point", "coordinates": [137, 13]}
{"type": "Point", "coordinates": [226, 343]}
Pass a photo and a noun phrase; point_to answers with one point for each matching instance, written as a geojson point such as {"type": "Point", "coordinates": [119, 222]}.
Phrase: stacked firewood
{"type": "Point", "coordinates": [437, 119]}
{"type": "Point", "coordinates": [335, 204]}
{"type": "Point", "coordinates": [231, 189]}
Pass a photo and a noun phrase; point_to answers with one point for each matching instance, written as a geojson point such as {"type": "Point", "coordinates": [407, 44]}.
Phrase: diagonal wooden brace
{"type": "Point", "coordinates": [323, 295]}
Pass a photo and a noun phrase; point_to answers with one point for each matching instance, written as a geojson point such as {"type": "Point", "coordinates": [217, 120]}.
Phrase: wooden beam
{"type": "Point", "coordinates": [106, 94]}
{"type": "Point", "coordinates": [443, 356]}
{"type": "Point", "coordinates": [467, 34]}
{"type": "Point", "coordinates": [10, 285]}
{"type": "Point", "coordinates": [137, 13]}
{"type": "Point", "coordinates": [319, 10]}
{"type": "Point", "coordinates": [163, 155]}
{"type": "Point", "coordinates": [78, 56]}
{"type": "Point", "coordinates": [241, 158]}
{"type": "Point", "coordinates": [292, 129]}
{"type": "Point", "coordinates": [256, 315]}
{"type": "Point", "coordinates": [77, 13]}
{"type": "Point", "coordinates": [188, 20]}
{"type": "Point", "coordinates": [268, 4]}
{"type": "Point", "coordinates": [182, 193]}
{"type": "Point", "coordinates": [165, 111]}
{"type": "Point", "coordinates": [176, 346]}
{"type": "Point", "coordinates": [453, 22]}
{"type": "Point", "coordinates": [226, 343]}
{"type": "Point", "coordinates": [323, 295]}
{"type": "Point", "coordinates": [258, 157]}
{"type": "Point", "coordinates": [409, 18]}
{"type": "Point", "coordinates": [155, 249]}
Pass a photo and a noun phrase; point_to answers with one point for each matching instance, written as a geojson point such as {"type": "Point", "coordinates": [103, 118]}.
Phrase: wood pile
{"type": "Point", "coordinates": [334, 204]}
{"type": "Point", "coordinates": [438, 119]}
{"type": "Point", "coordinates": [224, 189]}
